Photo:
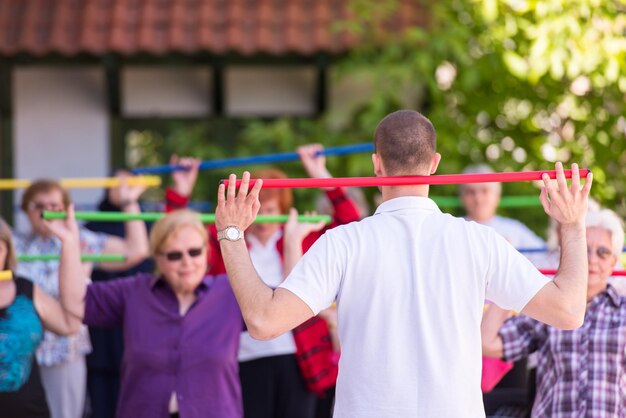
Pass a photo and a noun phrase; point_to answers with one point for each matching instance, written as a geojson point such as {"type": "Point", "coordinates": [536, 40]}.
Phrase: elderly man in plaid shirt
{"type": "Point", "coordinates": [581, 373]}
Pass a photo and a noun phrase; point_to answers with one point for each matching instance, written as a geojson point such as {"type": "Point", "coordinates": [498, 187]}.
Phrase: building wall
{"type": "Point", "coordinates": [61, 120]}
{"type": "Point", "coordinates": [270, 91]}
{"type": "Point", "coordinates": [61, 126]}
{"type": "Point", "coordinates": [249, 91]}
{"type": "Point", "coordinates": [166, 91]}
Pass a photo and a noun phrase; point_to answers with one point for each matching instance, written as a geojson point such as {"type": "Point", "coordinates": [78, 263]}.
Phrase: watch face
{"type": "Point", "coordinates": [232, 233]}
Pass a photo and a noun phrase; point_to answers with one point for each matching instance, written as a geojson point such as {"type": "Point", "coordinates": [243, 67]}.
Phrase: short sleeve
{"type": "Point", "coordinates": [93, 242]}
{"type": "Point", "coordinates": [317, 277]}
{"type": "Point", "coordinates": [512, 280]}
{"type": "Point", "coordinates": [522, 336]}
{"type": "Point", "coordinates": [105, 302]}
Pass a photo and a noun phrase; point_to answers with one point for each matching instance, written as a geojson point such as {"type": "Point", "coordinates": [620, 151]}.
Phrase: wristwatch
{"type": "Point", "coordinates": [231, 233]}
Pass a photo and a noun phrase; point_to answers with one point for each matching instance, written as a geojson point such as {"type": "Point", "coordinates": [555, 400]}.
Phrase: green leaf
{"type": "Point", "coordinates": [516, 64]}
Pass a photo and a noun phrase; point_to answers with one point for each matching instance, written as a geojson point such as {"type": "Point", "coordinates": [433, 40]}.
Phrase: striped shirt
{"type": "Point", "coordinates": [581, 373]}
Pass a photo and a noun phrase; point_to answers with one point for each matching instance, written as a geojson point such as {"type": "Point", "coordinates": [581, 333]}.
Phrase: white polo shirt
{"type": "Point", "coordinates": [410, 284]}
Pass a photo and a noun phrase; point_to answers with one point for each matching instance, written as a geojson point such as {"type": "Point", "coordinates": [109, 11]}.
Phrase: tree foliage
{"type": "Point", "coordinates": [513, 83]}
{"type": "Point", "coordinates": [518, 84]}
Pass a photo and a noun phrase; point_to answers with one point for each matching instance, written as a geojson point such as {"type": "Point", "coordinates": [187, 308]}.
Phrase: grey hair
{"type": "Point", "coordinates": [607, 219]}
{"type": "Point", "coordinates": [480, 169]}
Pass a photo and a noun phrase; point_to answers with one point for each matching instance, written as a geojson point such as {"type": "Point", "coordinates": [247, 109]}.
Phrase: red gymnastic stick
{"type": "Point", "coordinates": [408, 180]}
{"type": "Point", "coordinates": [552, 272]}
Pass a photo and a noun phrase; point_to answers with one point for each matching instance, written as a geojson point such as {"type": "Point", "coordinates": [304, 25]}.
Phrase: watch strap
{"type": "Point", "coordinates": [221, 235]}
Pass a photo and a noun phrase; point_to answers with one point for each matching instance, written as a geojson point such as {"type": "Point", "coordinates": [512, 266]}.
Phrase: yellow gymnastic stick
{"type": "Point", "coordinates": [6, 274]}
{"type": "Point", "coordinates": [75, 183]}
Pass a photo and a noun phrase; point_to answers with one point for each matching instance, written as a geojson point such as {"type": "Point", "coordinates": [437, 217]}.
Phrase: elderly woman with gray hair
{"type": "Point", "coordinates": [581, 372]}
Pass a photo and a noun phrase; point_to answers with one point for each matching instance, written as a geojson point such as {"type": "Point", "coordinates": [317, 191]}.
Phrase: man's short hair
{"type": "Point", "coordinates": [406, 142]}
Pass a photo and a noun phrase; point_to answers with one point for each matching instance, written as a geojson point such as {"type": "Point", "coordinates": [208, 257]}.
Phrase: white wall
{"type": "Point", "coordinates": [61, 126]}
{"type": "Point", "coordinates": [166, 91]}
{"type": "Point", "coordinates": [270, 91]}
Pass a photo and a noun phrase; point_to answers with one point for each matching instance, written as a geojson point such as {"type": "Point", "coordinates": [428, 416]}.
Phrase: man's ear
{"type": "Point", "coordinates": [435, 162]}
{"type": "Point", "coordinates": [378, 165]}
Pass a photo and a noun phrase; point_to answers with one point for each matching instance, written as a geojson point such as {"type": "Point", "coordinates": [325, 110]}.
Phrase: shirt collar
{"type": "Point", "coordinates": [204, 285]}
{"type": "Point", "coordinates": [408, 202]}
{"type": "Point", "coordinates": [609, 293]}
{"type": "Point", "coordinates": [614, 295]}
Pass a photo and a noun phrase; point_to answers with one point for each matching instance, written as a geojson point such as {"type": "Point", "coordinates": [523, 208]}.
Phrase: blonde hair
{"type": "Point", "coordinates": [173, 222]}
{"type": "Point", "coordinates": [10, 262]}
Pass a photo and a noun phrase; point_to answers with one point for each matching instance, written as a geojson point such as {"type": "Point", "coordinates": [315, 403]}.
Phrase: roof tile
{"type": "Point", "coordinates": [69, 27]}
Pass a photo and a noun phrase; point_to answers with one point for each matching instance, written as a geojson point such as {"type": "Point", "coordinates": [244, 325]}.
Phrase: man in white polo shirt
{"type": "Point", "coordinates": [410, 283]}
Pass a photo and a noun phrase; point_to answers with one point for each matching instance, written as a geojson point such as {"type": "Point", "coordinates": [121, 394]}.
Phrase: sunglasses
{"type": "Point", "coordinates": [602, 252]}
{"type": "Point", "coordinates": [40, 207]}
{"type": "Point", "coordinates": [178, 255]}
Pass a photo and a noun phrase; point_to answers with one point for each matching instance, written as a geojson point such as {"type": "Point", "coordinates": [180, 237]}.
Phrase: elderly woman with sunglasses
{"type": "Point", "coordinates": [62, 358]}
{"type": "Point", "coordinates": [181, 326]}
{"type": "Point", "coordinates": [580, 373]}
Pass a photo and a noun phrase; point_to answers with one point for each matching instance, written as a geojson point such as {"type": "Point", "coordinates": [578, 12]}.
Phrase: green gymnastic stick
{"type": "Point", "coordinates": [207, 218]}
{"type": "Point", "coordinates": [505, 201]}
{"type": "Point", "coordinates": [97, 258]}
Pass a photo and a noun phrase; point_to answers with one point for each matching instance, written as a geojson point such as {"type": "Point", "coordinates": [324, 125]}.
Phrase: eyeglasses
{"type": "Point", "coordinates": [178, 255]}
{"type": "Point", "coordinates": [40, 207]}
{"type": "Point", "coordinates": [602, 252]}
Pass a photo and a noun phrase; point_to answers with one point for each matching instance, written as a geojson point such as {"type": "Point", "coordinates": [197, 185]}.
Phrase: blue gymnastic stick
{"type": "Point", "coordinates": [542, 250]}
{"type": "Point", "coordinates": [259, 159]}
{"type": "Point", "coordinates": [533, 250]}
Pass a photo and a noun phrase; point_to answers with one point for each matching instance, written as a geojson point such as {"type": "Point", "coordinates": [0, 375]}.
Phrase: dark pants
{"type": "Point", "coordinates": [325, 404]}
{"type": "Point", "coordinates": [103, 388]}
{"type": "Point", "coordinates": [273, 388]}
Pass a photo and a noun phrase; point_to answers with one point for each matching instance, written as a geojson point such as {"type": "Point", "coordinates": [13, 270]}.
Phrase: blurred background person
{"type": "Point", "coordinates": [62, 358]}
{"type": "Point", "coordinates": [481, 200]}
{"type": "Point", "coordinates": [25, 311]}
{"type": "Point", "coordinates": [580, 372]}
{"type": "Point", "coordinates": [505, 384]}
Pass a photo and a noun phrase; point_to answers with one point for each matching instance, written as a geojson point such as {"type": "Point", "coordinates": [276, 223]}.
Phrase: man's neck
{"type": "Point", "coordinates": [391, 192]}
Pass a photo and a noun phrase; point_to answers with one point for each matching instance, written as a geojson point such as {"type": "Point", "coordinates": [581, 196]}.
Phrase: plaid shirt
{"type": "Point", "coordinates": [55, 349]}
{"type": "Point", "coordinates": [581, 373]}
